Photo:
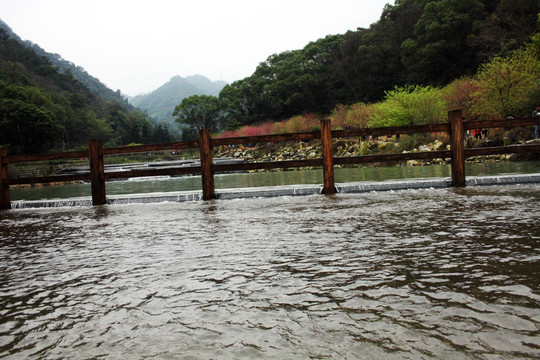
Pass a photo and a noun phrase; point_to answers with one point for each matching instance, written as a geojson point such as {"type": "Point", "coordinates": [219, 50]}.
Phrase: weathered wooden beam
{"type": "Point", "coordinates": [267, 165]}
{"type": "Point", "coordinates": [329, 187]}
{"type": "Point", "coordinates": [457, 146]}
{"type": "Point", "coordinates": [45, 157]}
{"type": "Point", "coordinates": [266, 138]}
{"type": "Point", "coordinates": [154, 147]}
{"type": "Point", "coordinates": [5, 200]}
{"type": "Point", "coordinates": [500, 123]}
{"type": "Point", "coordinates": [366, 159]}
{"type": "Point", "coordinates": [499, 150]}
{"type": "Point", "coordinates": [392, 130]}
{"type": "Point", "coordinates": [192, 170]}
{"type": "Point", "coordinates": [207, 159]}
{"type": "Point", "coordinates": [97, 177]}
{"type": "Point", "coordinates": [49, 179]}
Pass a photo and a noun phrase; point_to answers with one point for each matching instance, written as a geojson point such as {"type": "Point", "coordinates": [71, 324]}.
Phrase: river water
{"type": "Point", "coordinates": [420, 274]}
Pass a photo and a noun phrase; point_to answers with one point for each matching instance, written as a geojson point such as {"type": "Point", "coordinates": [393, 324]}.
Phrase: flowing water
{"type": "Point", "coordinates": [420, 274]}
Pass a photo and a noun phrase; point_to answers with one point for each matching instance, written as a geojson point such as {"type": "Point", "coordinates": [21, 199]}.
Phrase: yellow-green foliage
{"type": "Point", "coordinates": [410, 105]}
{"type": "Point", "coordinates": [507, 84]}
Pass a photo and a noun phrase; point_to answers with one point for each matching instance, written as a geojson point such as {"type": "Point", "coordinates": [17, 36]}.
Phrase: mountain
{"type": "Point", "coordinates": [160, 103]}
{"type": "Point", "coordinates": [65, 66]}
{"type": "Point", "coordinates": [49, 104]}
{"type": "Point", "coordinates": [93, 84]}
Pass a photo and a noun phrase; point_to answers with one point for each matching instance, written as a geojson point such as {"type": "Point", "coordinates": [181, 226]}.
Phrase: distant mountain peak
{"type": "Point", "coordinates": [161, 102]}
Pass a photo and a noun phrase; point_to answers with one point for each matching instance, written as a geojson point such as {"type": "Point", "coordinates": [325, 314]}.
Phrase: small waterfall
{"type": "Point", "coordinates": [286, 190]}
{"type": "Point", "coordinates": [503, 179]}
{"type": "Point", "coordinates": [155, 198]}
{"type": "Point", "coordinates": [393, 185]}
{"type": "Point", "coordinates": [53, 203]}
{"type": "Point", "coordinates": [269, 191]}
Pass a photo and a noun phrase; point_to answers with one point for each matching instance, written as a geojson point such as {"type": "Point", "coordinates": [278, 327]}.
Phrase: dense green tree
{"type": "Point", "coordinates": [439, 51]}
{"type": "Point", "coordinates": [199, 112]}
{"type": "Point", "coordinates": [285, 84]}
{"type": "Point", "coordinates": [98, 128]}
{"type": "Point", "coordinates": [238, 104]}
{"type": "Point", "coordinates": [368, 62]}
{"type": "Point", "coordinates": [161, 134]}
{"type": "Point", "coordinates": [509, 24]}
{"type": "Point", "coordinates": [27, 128]}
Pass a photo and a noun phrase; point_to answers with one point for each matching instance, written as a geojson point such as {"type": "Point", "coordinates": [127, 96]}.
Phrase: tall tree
{"type": "Point", "coordinates": [199, 112]}
{"type": "Point", "coordinates": [26, 128]}
{"type": "Point", "coordinates": [507, 83]}
{"type": "Point", "coordinates": [439, 51]}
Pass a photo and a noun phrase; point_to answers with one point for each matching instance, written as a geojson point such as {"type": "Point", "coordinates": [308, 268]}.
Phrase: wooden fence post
{"type": "Point", "coordinates": [457, 144]}
{"type": "Point", "coordinates": [97, 172]}
{"type": "Point", "coordinates": [327, 158]}
{"type": "Point", "coordinates": [207, 159]}
{"type": "Point", "coordinates": [5, 201]}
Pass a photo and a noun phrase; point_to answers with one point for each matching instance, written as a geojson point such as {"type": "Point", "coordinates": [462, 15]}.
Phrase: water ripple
{"type": "Point", "coordinates": [399, 275]}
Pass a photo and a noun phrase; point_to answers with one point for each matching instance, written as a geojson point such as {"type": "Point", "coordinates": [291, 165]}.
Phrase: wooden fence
{"type": "Point", "coordinates": [455, 127]}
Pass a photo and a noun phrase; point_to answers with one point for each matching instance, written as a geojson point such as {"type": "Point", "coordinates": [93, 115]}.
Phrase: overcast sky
{"type": "Point", "coordinates": [138, 45]}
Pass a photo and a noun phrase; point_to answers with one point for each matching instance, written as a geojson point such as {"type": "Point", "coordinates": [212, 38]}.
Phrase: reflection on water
{"type": "Point", "coordinates": [244, 180]}
{"type": "Point", "coordinates": [409, 274]}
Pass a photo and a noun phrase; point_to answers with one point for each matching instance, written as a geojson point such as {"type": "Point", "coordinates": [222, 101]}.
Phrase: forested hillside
{"type": "Point", "coordinates": [415, 42]}
{"type": "Point", "coordinates": [45, 108]}
{"type": "Point", "coordinates": [161, 102]}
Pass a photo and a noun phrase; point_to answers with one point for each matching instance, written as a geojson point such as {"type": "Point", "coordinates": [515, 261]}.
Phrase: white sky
{"type": "Point", "coordinates": [138, 45]}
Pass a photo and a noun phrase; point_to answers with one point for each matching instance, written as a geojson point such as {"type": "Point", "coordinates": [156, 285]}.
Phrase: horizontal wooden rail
{"type": "Point", "coordinates": [148, 148]}
{"type": "Point", "coordinates": [47, 157]}
{"type": "Point", "coordinates": [205, 144]}
{"type": "Point", "coordinates": [492, 124]}
{"type": "Point", "coordinates": [500, 150]}
{"type": "Point", "coordinates": [267, 165]}
{"type": "Point", "coordinates": [260, 139]}
{"type": "Point", "coordinates": [192, 170]}
{"type": "Point", "coordinates": [426, 155]}
{"type": "Point", "coordinates": [392, 130]}
{"type": "Point", "coordinates": [49, 179]}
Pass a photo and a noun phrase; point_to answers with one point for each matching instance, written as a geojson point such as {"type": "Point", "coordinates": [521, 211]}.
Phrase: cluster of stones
{"type": "Point", "coordinates": [342, 148]}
